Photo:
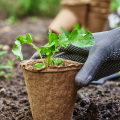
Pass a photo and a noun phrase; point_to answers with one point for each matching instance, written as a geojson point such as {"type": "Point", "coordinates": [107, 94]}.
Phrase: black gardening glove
{"type": "Point", "coordinates": [100, 60]}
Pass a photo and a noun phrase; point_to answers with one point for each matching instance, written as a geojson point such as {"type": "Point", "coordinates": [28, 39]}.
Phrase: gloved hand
{"type": "Point", "coordinates": [100, 60]}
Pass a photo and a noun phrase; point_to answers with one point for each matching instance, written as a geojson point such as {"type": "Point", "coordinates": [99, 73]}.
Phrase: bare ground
{"type": "Point", "coordinates": [93, 102]}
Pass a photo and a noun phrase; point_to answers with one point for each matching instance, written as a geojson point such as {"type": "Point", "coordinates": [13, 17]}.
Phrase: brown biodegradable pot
{"type": "Point", "coordinates": [72, 13]}
{"type": "Point", "coordinates": [51, 91]}
{"type": "Point", "coordinates": [98, 14]}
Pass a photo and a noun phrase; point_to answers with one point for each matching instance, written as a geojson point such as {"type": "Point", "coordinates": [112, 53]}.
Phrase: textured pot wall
{"type": "Point", "coordinates": [52, 94]}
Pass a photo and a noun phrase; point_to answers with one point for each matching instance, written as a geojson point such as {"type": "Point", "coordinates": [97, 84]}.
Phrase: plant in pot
{"type": "Point", "coordinates": [50, 81]}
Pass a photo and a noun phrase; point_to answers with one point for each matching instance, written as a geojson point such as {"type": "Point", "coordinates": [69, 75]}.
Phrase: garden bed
{"type": "Point", "coordinates": [93, 103]}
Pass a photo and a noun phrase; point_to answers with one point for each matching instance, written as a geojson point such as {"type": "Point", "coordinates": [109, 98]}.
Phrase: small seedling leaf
{"type": "Point", "coordinates": [39, 66]}
{"type": "Point", "coordinates": [17, 50]}
{"type": "Point", "coordinates": [29, 38]}
{"type": "Point", "coordinates": [25, 39]}
{"type": "Point", "coordinates": [57, 61]}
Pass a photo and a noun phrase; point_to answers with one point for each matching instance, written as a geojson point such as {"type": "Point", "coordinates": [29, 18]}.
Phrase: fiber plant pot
{"type": "Point", "coordinates": [97, 22]}
{"type": "Point", "coordinates": [73, 12]}
{"type": "Point", "coordinates": [52, 90]}
{"type": "Point", "coordinates": [98, 14]}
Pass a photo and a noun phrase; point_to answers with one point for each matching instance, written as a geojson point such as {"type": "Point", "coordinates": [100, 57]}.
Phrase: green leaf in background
{"type": "Point", "coordinates": [6, 75]}
{"type": "Point", "coordinates": [3, 53]}
{"type": "Point", "coordinates": [2, 73]}
{"type": "Point", "coordinates": [5, 67]}
{"type": "Point", "coordinates": [57, 61]}
{"type": "Point", "coordinates": [10, 62]}
{"type": "Point", "coordinates": [17, 50]}
{"type": "Point", "coordinates": [1, 46]}
{"type": "Point", "coordinates": [115, 4]}
{"type": "Point", "coordinates": [11, 20]}
{"type": "Point", "coordinates": [39, 66]}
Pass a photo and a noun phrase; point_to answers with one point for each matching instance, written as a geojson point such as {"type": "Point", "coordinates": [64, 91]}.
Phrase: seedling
{"type": "Point", "coordinates": [36, 79]}
{"type": "Point", "coordinates": [79, 37]}
{"type": "Point", "coordinates": [8, 67]}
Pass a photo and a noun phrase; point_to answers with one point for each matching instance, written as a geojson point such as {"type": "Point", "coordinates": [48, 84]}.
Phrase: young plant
{"type": "Point", "coordinates": [9, 67]}
{"type": "Point", "coordinates": [79, 37]}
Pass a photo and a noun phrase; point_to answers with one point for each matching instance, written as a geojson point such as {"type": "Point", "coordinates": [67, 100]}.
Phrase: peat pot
{"type": "Point", "coordinates": [72, 13]}
{"type": "Point", "coordinates": [52, 90]}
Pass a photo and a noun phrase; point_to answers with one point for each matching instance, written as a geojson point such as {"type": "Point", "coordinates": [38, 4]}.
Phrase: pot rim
{"type": "Point", "coordinates": [70, 66]}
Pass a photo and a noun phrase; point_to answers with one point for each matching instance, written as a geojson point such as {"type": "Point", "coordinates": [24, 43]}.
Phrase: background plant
{"type": "Point", "coordinates": [6, 70]}
{"type": "Point", "coordinates": [115, 4]}
{"type": "Point", "coordinates": [79, 37]}
{"type": "Point", "coordinates": [21, 8]}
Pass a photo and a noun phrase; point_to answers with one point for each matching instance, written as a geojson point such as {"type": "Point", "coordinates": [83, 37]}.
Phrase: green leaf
{"type": "Point", "coordinates": [115, 4]}
{"type": "Point", "coordinates": [17, 50]}
{"type": "Point", "coordinates": [3, 53]}
{"type": "Point", "coordinates": [57, 61]}
{"type": "Point", "coordinates": [21, 39]}
{"type": "Point", "coordinates": [39, 66]}
{"type": "Point", "coordinates": [2, 73]}
{"type": "Point", "coordinates": [48, 48]}
{"type": "Point", "coordinates": [25, 39]}
{"type": "Point", "coordinates": [63, 40]}
{"type": "Point", "coordinates": [77, 27]}
{"type": "Point", "coordinates": [73, 36]}
{"type": "Point", "coordinates": [29, 38]}
{"type": "Point", "coordinates": [10, 62]}
{"type": "Point", "coordinates": [5, 67]}
{"type": "Point", "coordinates": [1, 46]}
{"type": "Point", "coordinates": [53, 38]}
{"type": "Point", "coordinates": [8, 75]}
{"type": "Point", "coordinates": [75, 32]}
{"type": "Point", "coordinates": [65, 32]}
{"type": "Point", "coordinates": [84, 40]}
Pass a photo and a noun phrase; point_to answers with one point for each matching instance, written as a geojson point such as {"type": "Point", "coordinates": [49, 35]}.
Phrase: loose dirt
{"type": "Point", "coordinates": [92, 103]}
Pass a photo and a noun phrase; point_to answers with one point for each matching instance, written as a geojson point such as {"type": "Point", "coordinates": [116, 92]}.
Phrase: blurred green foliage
{"type": "Point", "coordinates": [45, 7]}
{"type": "Point", "coordinates": [115, 4]}
{"type": "Point", "coordinates": [20, 8]}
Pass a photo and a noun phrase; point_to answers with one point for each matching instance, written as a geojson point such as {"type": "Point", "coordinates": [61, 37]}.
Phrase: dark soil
{"type": "Point", "coordinates": [98, 102]}
{"type": "Point", "coordinates": [92, 103]}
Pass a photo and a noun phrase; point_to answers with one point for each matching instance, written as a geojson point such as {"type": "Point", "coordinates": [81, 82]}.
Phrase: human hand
{"type": "Point", "coordinates": [104, 57]}
{"type": "Point", "coordinates": [101, 60]}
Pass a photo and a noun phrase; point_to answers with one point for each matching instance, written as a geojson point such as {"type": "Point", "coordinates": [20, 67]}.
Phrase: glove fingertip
{"type": "Point", "coordinates": [82, 82]}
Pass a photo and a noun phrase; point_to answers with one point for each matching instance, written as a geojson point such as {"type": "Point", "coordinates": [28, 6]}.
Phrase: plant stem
{"type": "Point", "coordinates": [36, 48]}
